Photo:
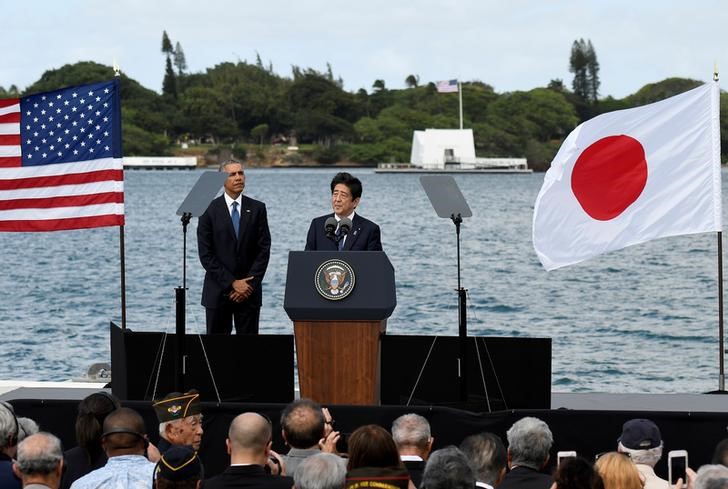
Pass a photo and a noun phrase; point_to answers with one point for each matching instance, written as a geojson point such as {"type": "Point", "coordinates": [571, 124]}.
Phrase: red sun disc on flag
{"type": "Point", "coordinates": [609, 176]}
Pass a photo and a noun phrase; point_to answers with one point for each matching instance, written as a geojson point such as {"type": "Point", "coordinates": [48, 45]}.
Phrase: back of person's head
{"type": "Point", "coordinates": [712, 477]}
{"type": "Point", "coordinates": [302, 422]}
{"type": "Point", "coordinates": [372, 446]}
{"type": "Point", "coordinates": [8, 426]}
{"type": "Point", "coordinates": [320, 471]}
{"type": "Point", "coordinates": [92, 411]}
{"type": "Point", "coordinates": [411, 430]}
{"type": "Point", "coordinates": [250, 432]}
{"type": "Point", "coordinates": [448, 468]}
{"type": "Point", "coordinates": [576, 473]}
{"type": "Point", "coordinates": [487, 456]}
{"type": "Point", "coordinates": [642, 440]}
{"type": "Point", "coordinates": [39, 454]}
{"type": "Point", "coordinates": [529, 443]}
{"type": "Point", "coordinates": [618, 471]}
{"type": "Point", "coordinates": [26, 427]}
{"type": "Point", "coordinates": [720, 454]}
{"type": "Point", "coordinates": [178, 468]}
{"type": "Point", "coordinates": [123, 430]}
{"type": "Point", "coordinates": [351, 182]}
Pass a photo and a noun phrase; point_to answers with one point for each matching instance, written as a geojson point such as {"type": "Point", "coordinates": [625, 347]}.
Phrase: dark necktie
{"type": "Point", "coordinates": [235, 216]}
{"type": "Point", "coordinates": [340, 237]}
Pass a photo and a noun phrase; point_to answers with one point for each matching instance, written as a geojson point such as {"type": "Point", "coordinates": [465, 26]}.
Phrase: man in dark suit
{"type": "Point", "coordinates": [364, 234]}
{"type": "Point", "coordinates": [249, 446]}
{"type": "Point", "coordinates": [529, 443]}
{"type": "Point", "coordinates": [233, 241]}
{"type": "Point", "coordinates": [411, 434]}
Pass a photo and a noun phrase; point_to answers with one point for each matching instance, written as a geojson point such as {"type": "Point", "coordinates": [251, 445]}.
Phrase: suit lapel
{"type": "Point", "coordinates": [244, 218]}
{"type": "Point", "coordinates": [353, 234]}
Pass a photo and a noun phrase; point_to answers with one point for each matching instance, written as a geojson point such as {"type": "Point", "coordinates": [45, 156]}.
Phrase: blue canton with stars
{"type": "Point", "coordinates": [72, 124]}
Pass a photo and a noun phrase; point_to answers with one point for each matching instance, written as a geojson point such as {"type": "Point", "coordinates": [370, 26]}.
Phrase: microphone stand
{"type": "Point", "coordinates": [462, 320]}
{"type": "Point", "coordinates": [180, 311]}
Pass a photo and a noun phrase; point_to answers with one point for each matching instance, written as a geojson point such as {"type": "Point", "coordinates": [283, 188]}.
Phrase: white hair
{"type": "Point", "coordinates": [320, 471]}
{"type": "Point", "coordinates": [712, 477]}
{"type": "Point", "coordinates": [529, 442]}
{"type": "Point", "coordinates": [645, 457]}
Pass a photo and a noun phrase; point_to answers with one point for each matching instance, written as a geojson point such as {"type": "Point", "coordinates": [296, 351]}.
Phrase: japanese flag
{"type": "Point", "coordinates": [630, 176]}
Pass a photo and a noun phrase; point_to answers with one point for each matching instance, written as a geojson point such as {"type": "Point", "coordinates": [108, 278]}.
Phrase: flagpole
{"type": "Point", "coordinates": [460, 97]}
{"type": "Point", "coordinates": [122, 257]}
{"type": "Point", "coordinates": [721, 331]}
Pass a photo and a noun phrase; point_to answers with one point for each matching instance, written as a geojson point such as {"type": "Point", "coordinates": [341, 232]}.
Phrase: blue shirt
{"type": "Point", "coordinates": [122, 472]}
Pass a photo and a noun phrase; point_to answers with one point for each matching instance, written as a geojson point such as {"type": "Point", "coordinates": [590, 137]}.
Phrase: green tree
{"type": "Point", "coordinates": [180, 62]}
{"type": "Point", "coordinates": [378, 85]}
{"type": "Point", "coordinates": [167, 44]}
{"type": "Point", "coordinates": [412, 81]}
{"type": "Point", "coordinates": [578, 65]}
{"type": "Point", "coordinates": [259, 132]}
{"type": "Point", "coordinates": [592, 68]}
{"type": "Point", "coordinates": [169, 83]}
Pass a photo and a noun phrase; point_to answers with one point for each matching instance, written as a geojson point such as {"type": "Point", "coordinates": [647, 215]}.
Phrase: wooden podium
{"type": "Point", "coordinates": [338, 338]}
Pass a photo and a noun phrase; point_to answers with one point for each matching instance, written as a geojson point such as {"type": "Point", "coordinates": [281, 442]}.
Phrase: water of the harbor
{"type": "Point", "coordinates": [644, 319]}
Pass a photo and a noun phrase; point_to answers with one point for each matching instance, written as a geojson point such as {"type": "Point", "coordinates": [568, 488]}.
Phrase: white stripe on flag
{"type": "Point", "coordinates": [63, 190]}
{"type": "Point", "coordinates": [61, 168]}
{"type": "Point", "coordinates": [10, 109]}
{"type": "Point", "coordinates": [10, 128]}
{"type": "Point", "coordinates": [10, 151]}
{"type": "Point", "coordinates": [62, 212]}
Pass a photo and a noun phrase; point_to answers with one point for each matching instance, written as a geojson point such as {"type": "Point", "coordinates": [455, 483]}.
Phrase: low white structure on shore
{"type": "Point", "coordinates": [160, 162]}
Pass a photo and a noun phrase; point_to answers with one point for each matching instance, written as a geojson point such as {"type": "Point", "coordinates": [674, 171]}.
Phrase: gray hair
{"type": "Point", "coordinates": [712, 477]}
{"type": "Point", "coordinates": [26, 427]}
{"type": "Point", "coordinates": [8, 424]}
{"type": "Point", "coordinates": [487, 456]}
{"type": "Point", "coordinates": [645, 457]}
{"type": "Point", "coordinates": [320, 471]}
{"type": "Point", "coordinates": [163, 425]}
{"type": "Point", "coordinates": [529, 442]}
{"type": "Point", "coordinates": [411, 430]}
{"type": "Point", "coordinates": [448, 468]}
{"type": "Point", "coordinates": [231, 161]}
{"type": "Point", "coordinates": [39, 454]}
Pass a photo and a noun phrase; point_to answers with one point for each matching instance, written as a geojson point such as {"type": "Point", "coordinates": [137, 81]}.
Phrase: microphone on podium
{"type": "Point", "coordinates": [345, 226]}
{"type": "Point", "coordinates": [330, 227]}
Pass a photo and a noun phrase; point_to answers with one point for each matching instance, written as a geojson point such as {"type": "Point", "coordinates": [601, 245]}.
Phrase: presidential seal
{"type": "Point", "coordinates": [334, 279]}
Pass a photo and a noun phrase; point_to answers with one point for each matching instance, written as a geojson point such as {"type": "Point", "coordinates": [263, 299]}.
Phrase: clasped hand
{"type": "Point", "coordinates": [241, 289]}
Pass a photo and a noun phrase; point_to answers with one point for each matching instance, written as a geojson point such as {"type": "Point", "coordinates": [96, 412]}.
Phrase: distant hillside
{"type": "Point", "coordinates": [244, 109]}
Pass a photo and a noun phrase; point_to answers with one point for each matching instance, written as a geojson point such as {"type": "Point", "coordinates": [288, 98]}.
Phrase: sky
{"type": "Point", "coordinates": [509, 44]}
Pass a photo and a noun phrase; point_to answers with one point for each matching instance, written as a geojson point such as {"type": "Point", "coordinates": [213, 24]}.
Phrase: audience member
{"type": "Point", "coordinates": [180, 420]}
{"type": "Point", "coordinates": [88, 455]}
{"type": "Point", "coordinates": [618, 471]}
{"type": "Point", "coordinates": [576, 473]}
{"type": "Point", "coordinates": [373, 456]}
{"type": "Point", "coordinates": [178, 468]}
{"type": "Point", "coordinates": [641, 439]}
{"type": "Point", "coordinates": [411, 434]}
{"type": "Point", "coordinates": [320, 471]}
{"type": "Point", "coordinates": [448, 468]}
{"type": "Point", "coordinates": [26, 427]}
{"type": "Point", "coordinates": [125, 442]}
{"type": "Point", "coordinates": [487, 456]}
{"type": "Point", "coordinates": [8, 446]}
{"type": "Point", "coordinates": [40, 461]}
{"type": "Point", "coordinates": [529, 442]}
{"type": "Point", "coordinates": [711, 477]}
{"type": "Point", "coordinates": [249, 446]}
{"type": "Point", "coordinates": [303, 427]}
{"type": "Point", "coordinates": [720, 455]}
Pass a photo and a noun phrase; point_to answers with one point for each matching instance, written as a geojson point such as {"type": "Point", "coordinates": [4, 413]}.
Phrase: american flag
{"type": "Point", "coordinates": [60, 159]}
{"type": "Point", "coordinates": [447, 86]}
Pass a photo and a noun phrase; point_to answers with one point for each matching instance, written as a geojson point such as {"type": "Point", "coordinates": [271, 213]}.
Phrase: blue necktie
{"type": "Point", "coordinates": [341, 237]}
{"type": "Point", "coordinates": [235, 216]}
